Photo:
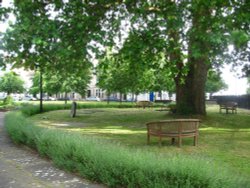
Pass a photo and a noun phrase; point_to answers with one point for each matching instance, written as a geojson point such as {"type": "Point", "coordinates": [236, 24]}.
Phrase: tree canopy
{"type": "Point", "coordinates": [214, 82]}
{"type": "Point", "coordinates": [11, 83]}
{"type": "Point", "coordinates": [59, 83]}
{"type": "Point", "coordinates": [184, 39]}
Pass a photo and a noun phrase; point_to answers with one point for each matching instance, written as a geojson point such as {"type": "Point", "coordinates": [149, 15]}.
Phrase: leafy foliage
{"type": "Point", "coordinates": [184, 39]}
{"type": "Point", "coordinates": [214, 82]}
{"type": "Point", "coordinates": [34, 89]}
{"type": "Point", "coordinates": [59, 83]}
{"type": "Point", "coordinates": [119, 72]}
{"type": "Point", "coordinates": [8, 100]}
{"type": "Point", "coordinates": [11, 83]}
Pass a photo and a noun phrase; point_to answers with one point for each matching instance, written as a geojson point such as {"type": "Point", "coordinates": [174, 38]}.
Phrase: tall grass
{"type": "Point", "coordinates": [116, 165]}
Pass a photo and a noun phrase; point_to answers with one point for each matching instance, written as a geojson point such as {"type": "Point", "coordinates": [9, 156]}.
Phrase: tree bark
{"type": "Point", "coordinates": [41, 90]}
{"type": "Point", "coordinates": [66, 98]}
{"type": "Point", "coordinates": [108, 98]}
{"type": "Point", "coordinates": [120, 98]}
{"type": "Point", "coordinates": [191, 95]}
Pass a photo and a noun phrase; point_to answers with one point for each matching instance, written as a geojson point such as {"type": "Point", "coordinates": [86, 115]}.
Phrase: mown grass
{"type": "Point", "coordinates": [115, 164]}
{"type": "Point", "coordinates": [224, 138]}
{"type": "Point", "coordinates": [33, 107]}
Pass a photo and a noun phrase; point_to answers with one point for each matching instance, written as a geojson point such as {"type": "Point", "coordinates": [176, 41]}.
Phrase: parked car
{"type": "Point", "coordinates": [2, 97]}
{"type": "Point", "coordinates": [17, 98]}
{"type": "Point", "coordinates": [131, 100]}
{"type": "Point", "coordinates": [49, 99]}
{"type": "Point", "coordinates": [111, 99]}
{"type": "Point", "coordinates": [63, 99]}
{"type": "Point", "coordinates": [93, 99]}
{"type": "Point", "coordinates": [28, 98]}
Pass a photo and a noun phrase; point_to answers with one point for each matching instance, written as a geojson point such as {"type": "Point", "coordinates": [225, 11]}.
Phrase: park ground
{"type": "Point", "coordinates": [224, 138]}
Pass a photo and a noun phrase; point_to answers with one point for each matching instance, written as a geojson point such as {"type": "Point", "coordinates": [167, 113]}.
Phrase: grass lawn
{"type": "Point", "coordinates": [224, 138]}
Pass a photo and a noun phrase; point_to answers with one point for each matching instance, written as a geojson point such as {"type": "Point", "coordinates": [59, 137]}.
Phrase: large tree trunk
{"type": "Point", "coordinates": [191, 95]}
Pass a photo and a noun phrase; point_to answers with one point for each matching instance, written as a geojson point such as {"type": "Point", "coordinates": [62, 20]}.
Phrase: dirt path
{"type": "Point", "coordinates": [21, 167]}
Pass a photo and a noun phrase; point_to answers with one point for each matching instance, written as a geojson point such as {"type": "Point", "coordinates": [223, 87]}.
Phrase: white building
{"type": "Point", "coordinates": [92, 90]}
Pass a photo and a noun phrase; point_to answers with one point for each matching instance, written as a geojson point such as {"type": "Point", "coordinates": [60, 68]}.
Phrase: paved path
{"type": "Point", "coordinates": [21, 167]}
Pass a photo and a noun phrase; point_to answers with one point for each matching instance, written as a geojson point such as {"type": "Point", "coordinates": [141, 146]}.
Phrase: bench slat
{"type": "Point", "coordinates": [174, 128]}
{"type": "Point", "coordinates": [229, 106]}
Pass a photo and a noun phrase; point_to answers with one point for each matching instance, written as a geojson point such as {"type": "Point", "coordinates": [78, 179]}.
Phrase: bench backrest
{"type": "Point", "coordinates": [176, 125]}
{"type": "Point", "coordinates": [229, 104]}
{"type": "Point", "coordinates": [144, 103]}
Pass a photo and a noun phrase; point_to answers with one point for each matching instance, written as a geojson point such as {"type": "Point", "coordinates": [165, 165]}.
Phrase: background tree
{"type": "Point", "coordinates": [214, 83]}
{"type": "Point", "coordinates": [193, 36]}
{"type": "Point", "coordinates": [116, 74]}
{"type": "Point", "coordinates": [104, 72]}
{"type": "Point", "coordinates": [11, 83]}
{"type": "Point", "coordinates": [197, 35]}
{"type": "Point", "coordinates": [52, 84]}
{"type": "Point", "coordinates": [62, 82]}
{"type": "Point", "coordinates": [34, 89]}
{"type": "Point", "coordinates": [31, 47]}
{"type": "Point", "coordinates": [57, 39]}
{"type": "Point", "coordinates": [75, 83]}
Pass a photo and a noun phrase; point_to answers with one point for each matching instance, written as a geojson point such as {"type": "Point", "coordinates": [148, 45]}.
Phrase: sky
{"type": "Point", "coordinates": [236, 85]}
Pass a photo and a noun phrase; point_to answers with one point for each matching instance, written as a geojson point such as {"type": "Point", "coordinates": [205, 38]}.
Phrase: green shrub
{"type": "Point", "coordinates": [8, 100]}
{"type": "Point", "coordinates": [20, 130]}
{"type": "Point", "coordinates": [173, 108]}
{"type": "Point", "coordinates": [32, 109]}
{"type": "Point", "coordinates": [116, 165]}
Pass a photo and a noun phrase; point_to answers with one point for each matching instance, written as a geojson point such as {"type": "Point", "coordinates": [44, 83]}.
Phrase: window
{"type": "Point", "coordinates": [89, 93]}
{"type": "Point", "coordinates": [98, 93]}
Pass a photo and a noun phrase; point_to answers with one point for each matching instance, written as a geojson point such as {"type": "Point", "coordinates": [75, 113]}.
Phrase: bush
{"type": "Point", "coordinates": [172, 108]}
{"type": "Point", "coordinates": [116, 165]}
{"type": "Point", "coordinates": [8, 100]}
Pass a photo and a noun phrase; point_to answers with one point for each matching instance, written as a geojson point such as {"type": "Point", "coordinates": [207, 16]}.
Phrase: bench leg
{"type": "Point", "coordinates": [195, 140]}
{"type": "Point", "coordinates": [172, 141]}
{"type": "Point", "coordinates": [179, 141]}
{"type": "Point", "coordinates": [148, 139]}
{"type": "Point", "coordinates": [160, 139]}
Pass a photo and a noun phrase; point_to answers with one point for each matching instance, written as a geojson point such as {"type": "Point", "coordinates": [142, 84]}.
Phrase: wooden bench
{"type": "Point", "coordinates": [144, 104]}
{"type": "Point", "coordinates": [163, 104]}
{"type": "Point", "coordinates": [229, 106]}
{"type": "Point", "coordinates": [177, 128]}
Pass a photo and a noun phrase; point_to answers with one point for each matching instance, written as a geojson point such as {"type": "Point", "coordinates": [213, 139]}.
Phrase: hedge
{"type": "Point", "coordinates": [116, 165]}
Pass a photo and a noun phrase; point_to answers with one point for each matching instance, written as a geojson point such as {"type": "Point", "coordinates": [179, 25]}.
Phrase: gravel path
{"type": "Point", "coordinates": [21, 167]}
